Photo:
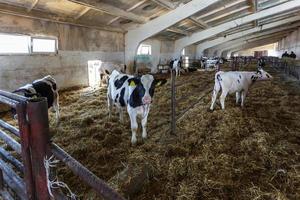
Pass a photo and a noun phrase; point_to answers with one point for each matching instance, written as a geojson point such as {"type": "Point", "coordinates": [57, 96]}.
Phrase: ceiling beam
{"type": "Point", "coordinates": [221, 40]}
{"type": "Point", "coordinates": [228, 13]}
{"type": "Point", "coordinates": [170, 6]}
{"type": "Point", "coordinates": [128, 10]}
{"type": "Point", "coordinates": [210, 32]}
{"type": "Point", "coordinates": [110, 9]}
{"type": "Point", "coordinates": [254, 44]}
{"type": "Point", "coordinates": [236, 43]}
{"type": "Point", "coordinates": [224, 7]}
{"type": "Point", "coordinates": [83, 12]}
{"type": "Point", "coordinates": [40, 15]}
{"type": "Point", "coordinates": [34, 3]}
{"type": "Point", "coordinates": [225, 10]}
{"type": "Point", "coordinates": [177, 30]}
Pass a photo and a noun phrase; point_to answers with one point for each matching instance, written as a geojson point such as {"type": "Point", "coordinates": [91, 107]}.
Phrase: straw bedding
{"type": "Point", "coordinates": [238, 153]}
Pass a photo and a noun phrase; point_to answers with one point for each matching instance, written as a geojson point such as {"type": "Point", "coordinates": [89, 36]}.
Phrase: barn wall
{"type": "Point", "coordinates": [162, 52]}
{"type": "Point", "coordinates": [290, 43]}
{"type": "Point", "coordinates": [76, 46]}
{"type": "Point", "coordinates": [190, 51]}
{"type": "Point", "coordinates": [250, 52]}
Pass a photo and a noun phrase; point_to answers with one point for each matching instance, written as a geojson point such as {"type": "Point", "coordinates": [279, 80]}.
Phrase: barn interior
{"type": "Point", "coordinates": [249, 152]}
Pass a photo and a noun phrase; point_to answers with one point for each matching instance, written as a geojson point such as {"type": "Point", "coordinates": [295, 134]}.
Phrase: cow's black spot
{"type": "Point", "coordinates": [268, 75]}
{"type": "Point", "coordinates": [44, 90]}
{"type": "Point", "coordinates": [136, 96]}
{"type": "Point", "coordinates": [136, 80]}
{"type": "Point", "coordinates": [253, 78]}
{"type": "Point", "coordinates": [240, 77]}
{"type": "Point", "coordinates": [121, 100]}
{"type": "Point", "coordinates": [219, 77]}
{"type": "Point", "coordinates": [119, 82]}
{"type": "Point", "coordinates": [116, 99]}
{"type": "Point", "coordinates": [238, 81]}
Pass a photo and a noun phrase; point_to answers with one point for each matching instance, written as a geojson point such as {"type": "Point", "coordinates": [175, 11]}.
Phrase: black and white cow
{"type": "Point", "coordinates": [236, 82]}
{"type": "Point", "coordinates": [107, 68]}
{"type": "Point", "coordinates": [135, 93]}
{"type": "Point", "coordinates": [176, 65]}
{"type": "Point", "coordinates": [45, 87]}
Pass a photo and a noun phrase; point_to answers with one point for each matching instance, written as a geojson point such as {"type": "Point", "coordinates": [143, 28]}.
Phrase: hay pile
{"type": "Point", "coordinates": [249, 153]}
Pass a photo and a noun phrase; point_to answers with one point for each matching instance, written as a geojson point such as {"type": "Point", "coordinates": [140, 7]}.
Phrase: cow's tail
{"type": "Point", "coordinates": [218, 80]}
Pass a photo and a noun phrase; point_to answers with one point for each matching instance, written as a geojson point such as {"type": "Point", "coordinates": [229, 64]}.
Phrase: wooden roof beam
{"type": "Point", "coordinates": [110, 9]}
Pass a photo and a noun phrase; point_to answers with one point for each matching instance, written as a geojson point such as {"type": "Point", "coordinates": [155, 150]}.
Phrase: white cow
{"type": "Point", "coordinates": [176, 65]}
{"type": "Point", "coordinates": [236, 82]}
{"type": "Point", "coordinates": [134, 93]}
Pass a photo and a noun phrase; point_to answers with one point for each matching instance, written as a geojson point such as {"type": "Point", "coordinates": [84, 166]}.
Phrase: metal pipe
{"type": "Point", "coordinates": [10, 128]}
{"type": "Point", "coordinates": [7, 157]}
{"type": "Point", "coordinates": [10, 102]}
{"type": "Point", "coordinates": [13, 180]}
{"type": "Point", "coordinates": [13, 96]}
{"type": "Point", "coordinates": [88, 177]}
{"type": "Point", "coordinates": [10, 141]}
{"type": "Point", "coordinates": [173, 104]}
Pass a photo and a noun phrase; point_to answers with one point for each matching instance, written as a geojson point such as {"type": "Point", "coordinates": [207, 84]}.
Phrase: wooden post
{"type": "Point", "coordinates": [1, 180]}
{"type": "Point", "coordinates": [37, 112]}
{"type": "Point", "coordinates": [25, 147]}
{"type": "Point", "coordinates": [173, 104]}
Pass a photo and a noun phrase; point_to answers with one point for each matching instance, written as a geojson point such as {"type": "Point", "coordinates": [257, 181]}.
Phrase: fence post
{"type": "Point", "coordinates": [26, 157]}
{"type": "Point", "coordinates": [173, 104]}
{"type": "Point", "coordinates": [37, 111]}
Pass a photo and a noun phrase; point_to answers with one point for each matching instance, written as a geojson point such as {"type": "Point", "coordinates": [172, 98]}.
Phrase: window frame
{"type": "Point", "coordinates": [30, 45]}
{"type": "Point", "coordinates": [43, 38]}
{"type": "Point", "coordinates": [140, 50]}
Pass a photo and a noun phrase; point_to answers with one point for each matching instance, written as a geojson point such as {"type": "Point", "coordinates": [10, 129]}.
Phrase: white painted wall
{"type": "Point", "coordinates": [162, 52]}
{"type": "Point", "coordinates": [290, 43]}
{"type": "Point", "coordinates": [76, 46]}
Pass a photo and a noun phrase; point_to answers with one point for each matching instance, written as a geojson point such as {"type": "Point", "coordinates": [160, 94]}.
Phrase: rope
{"type": "Point", "coordinates": [54, 184]}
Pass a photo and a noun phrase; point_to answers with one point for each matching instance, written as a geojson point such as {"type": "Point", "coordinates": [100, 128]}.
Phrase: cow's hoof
{"type": "Point", "coordinates": [210, 110]}
{"type": "Point", "coordinates": [133, 142]}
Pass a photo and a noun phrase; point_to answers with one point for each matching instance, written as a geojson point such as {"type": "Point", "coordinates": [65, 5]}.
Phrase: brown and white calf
{"type": "Point", "coordinates": [237, 82]}
{"type": "Point", "coordinates": [134, 93]}
{"type": "Point", "coordinates": [44, 87]}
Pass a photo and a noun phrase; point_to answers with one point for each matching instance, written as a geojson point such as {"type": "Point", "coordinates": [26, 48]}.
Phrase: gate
{"type": "Point", "coordinates": [27, 179]}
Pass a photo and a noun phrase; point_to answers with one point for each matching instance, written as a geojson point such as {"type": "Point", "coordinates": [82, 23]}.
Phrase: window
{"type": "Point", "coordinates": [144, 49]}
{"type": "Point", "coordinates": [14, 44]}
{"type": "Point", "coordinates": [43, 45]}
{"type": "Point", "coordinates": [23, 44]}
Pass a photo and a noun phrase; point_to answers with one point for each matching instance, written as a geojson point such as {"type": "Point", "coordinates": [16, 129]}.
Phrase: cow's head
{"type": "Point", "coordinates": [261, 63]}
{"type": "Point", "coordinates": [263, 75]}
{"type": "Point", "coordinates": [143, 89]}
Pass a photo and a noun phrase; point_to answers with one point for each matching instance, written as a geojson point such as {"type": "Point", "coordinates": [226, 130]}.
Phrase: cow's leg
{"type": "Point", "coordinates": [121, 114]}
{"type": "Point", "coordinates": [214, 95]}
{"type": "Point", "coordinates": [178, 71]}
{"type": "Point", "coordinates": [243, 97]}
{"type": "Point", "coordinates": [144, 124]}
{"type": "Point", "coordinates": [109, 105]}
{"type": "Point", "coordinates": [56, 107]}
{"type": "Point", "coordinates": [237, 97]}
{"type": "Point", "coordinates": [222, 98]}
{"type": "Point", "coordinates": [134, 125]}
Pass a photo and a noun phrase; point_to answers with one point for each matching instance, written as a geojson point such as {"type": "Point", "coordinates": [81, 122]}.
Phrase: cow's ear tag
{"type": "Point", "coordinates": [132, 83]}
